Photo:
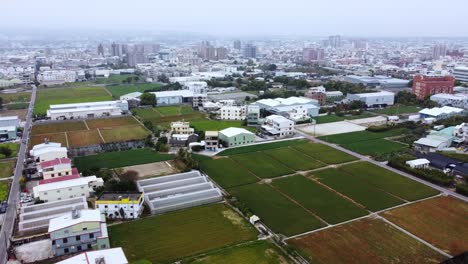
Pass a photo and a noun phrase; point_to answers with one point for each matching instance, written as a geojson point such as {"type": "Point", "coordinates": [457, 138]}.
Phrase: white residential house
{"type": "Point", "coordinates": [8, 121]}
{"type": "Point", "coordinates": [66, 189]}
{"type": "Point", "coordinates": [55, 168]}
{"type": "Point", "coordinates": [418, 163]}
{"type": "Point", "coordinates": [87, 110]}
{"type": "Point", "coordinates": [127, 205]}
{"type": "Point", "coordinates": [232, 112]}
{"type": "Point", "coordinates": [181, 128]}
{"type": "Point", "coordinates": [278, 126]}
{"type": "Point", "coordinates": [48, 151]}
{"type": "Point", "coordinates": [104, 256]}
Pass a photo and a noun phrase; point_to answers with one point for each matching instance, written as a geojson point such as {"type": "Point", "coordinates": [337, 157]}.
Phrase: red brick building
{"type": "Point", "coordinates": [429, 85]}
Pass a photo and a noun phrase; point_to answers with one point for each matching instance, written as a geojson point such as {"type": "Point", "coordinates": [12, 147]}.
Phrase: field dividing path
{"type": "Point", "coordinates": [365, 158]}
{"type": "Point", "coordinates": [86, 124]}
{"type": "Point", "coordinates": [99, 132]}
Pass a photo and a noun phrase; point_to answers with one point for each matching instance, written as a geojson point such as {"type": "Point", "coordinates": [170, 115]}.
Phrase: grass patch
{"type": "Point", "coordinates": [352, 137]}
{"type": "Point", "coordinates": [324, 153]}
{"type": "Point", "coordinates": [113, 78]}
{"type": "Point", "coordinates": [168, 110]}
{"type": "Point", "coordinates": [3, 190]}
{"type": "Point", "coordinates": [123, 133]}
{"type": "Point", "coordinates": [47, 97]}
{"type": "Point", "coordinates": [120, 159]}
{"type": "Point", "coordinates": [17, 106]}
{"type": "Point", "coordinates": [275, 210]}
{"type": "Point", "coordinates": [14, 148]}
{"type": "Point", "coordinates": [227, 172]}
{"type": "Point", "coordinates": [260, 147]}
{"type": "Point", "coordinates": [320, 200]}
{"type": "Point", "coordinates": [398, 110]}
{"type": "Point", "coordinates": [258, 252]}
{"type": "Point", "coordinates": [261, 165]}
{"type": "Point", "coordinates": [123, 89]}
{"type": "Point", "coordinates": [375, 147]}
{"type": "Point", "coordinates": [58, 127]}
{"type": "Point", "coordinates": [294, 159]}
{"type": "Point", "coordinates": [364, 241]}
{"type": "Point", "coordinates": [83, 138]}
{"type": "Point", "coordinates": [440, 221]}
{"type": "Point", "coordinates": [111, 122]}
{"type": "Point", "coordinates": [6, 168]}
{"type": "Point", "coordinates": [16, 97]}
{"type": "Point", "coordinates": [389, 181]}
{"type": "Point", "coordinates": [367, 195]}
{"type": "Point", "coordinates": [169, 237]}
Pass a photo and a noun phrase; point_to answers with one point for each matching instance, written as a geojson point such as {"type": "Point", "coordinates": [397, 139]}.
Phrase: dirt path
{"type": "Point", "coordinates": [99, 131]}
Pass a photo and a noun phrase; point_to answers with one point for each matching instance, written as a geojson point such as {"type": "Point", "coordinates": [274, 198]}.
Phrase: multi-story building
{"type": "Point", "coordinates": [181, 128]}
{"type": "Point", "coordinates": [317, 93]}
{"type": "Point", "coordinates": [334, 41]}
{"type": "Point", "coordinates": [211, 140]}
{"type": "Point", "coordinates": [311, 54]}
{"type": "Point", "coordinates": [55, 168]}
{"type": "Point", "coordinates": [87, 110]}
{"type": "Point", "coordinates": [278, 126]}
{"type": "Point", "coordinates": [428, 85]}
{"type": "Point", "coordinates": [100, 50]}
{"type": "Point", "coordinates": [126, 205]}
{"type": "Point", "coordinates": [438, 51]}
{"type": "Point", "coordinates": [237, 44]}
{"type": "Point", "coordinates": [232, 112]}
{"type": "Point", "coordinates": [456, 100]}
{"type": "Point", "coordinates": [221, 53]}
{"type": "Point", "coordinates": [234, 136]}
{"type": "Point", "coordinates": [249, 51]}
{"type": "Point", "coordinates": [65, 189]}
{"type": "Point", "coordinates": [77, 231]}
{"type": "Point", "coordinates": [253, 114]}
{"type": "Point", "coordinates": [116, 50]}
{"type": "Point", "coordinates": [56, 77]}
{"type": "Point", "coordinates": [461, 73]}
{"type": "Point", "coordinates": [381, 98]}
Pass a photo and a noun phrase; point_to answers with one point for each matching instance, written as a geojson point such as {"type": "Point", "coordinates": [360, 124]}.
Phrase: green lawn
{"type": "Point", "coordinates": [114, 78]}
{"type": "Point", "coordinates": [3, 190]}
{"type": "Point", "coordinates": [176, 235]}
{"type": "Point", "coordinates": [360, 191]}
{"type": "Point", "coordinates": [258, 252]}
{"type": "Point", "coordinates": [334, 118]}
{"type": "Point", "coordinates": [16, 97]}
{"type": "Point", "coordinates": [216, 125]}
{"type": "Point", "coordinates": [6, 168]}
{"type": "Point", "coordinates": [294, 159]}
{"type": "Point", "coordinates": [275, 210]}
{"type": "Point", "coordinates": [389, 181]}
{"type": "Point", "coordinates": [398, 109]}
{"type": "Point", "coordinates": [47, 97]}
{"type": "Point", "coordinates": [259, 147]}
{"type": "Point", "coordinates": [14, 148]}
{"type": "Point", "coordinates": [324, 153]}
{"type": "Point", "coordinates": [119, 159]}
{"type": "Point", "coordinates": [227, 172]}
{"type": "Point", "coordinates": [261, 165]}
{"type": "Point", "coordinates": [122, 89]}
{"type": "Point", "coordinates": [375, 147]}
{"type": "Point", "coordinates": [168, 110]}
{"type": "Point", "coordinates": [320, 200]}
{"type": "Point", "coordinates": [362, 136]}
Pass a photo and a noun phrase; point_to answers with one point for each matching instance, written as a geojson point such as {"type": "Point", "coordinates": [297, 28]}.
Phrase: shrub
{"type": "Point", "coordinates": [462, 189]}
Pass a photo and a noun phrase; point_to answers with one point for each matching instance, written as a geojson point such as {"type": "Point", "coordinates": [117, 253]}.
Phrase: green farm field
{"type": "Point", "coordinates": [352, 137]}
{"type": "Point", "coordinates": [398, 110]}
{"type": "Point", "coordinates": [361, 192]}
{"type": "Point", "coordinates": [324, 153]}
{"type": "Point", "coordinates": [12, 146]}
{"type": "Point", "coordinates": [181, 234]}
{"type": "Point", "coordinates": [120, 159]}
{"type": "Point", "coordinates": [323, 202]}
{"type": "Point", "coordinates": [261, 165]}
{"type": "Point", "coordinates": [227, 172]}
{"type": "Point", "coordinates": [375, 147]}
{"type": "Point", "coordinates": [6, 168]}
{"type": "Point", "coordinates": [275, 210]}
{"type": "Point", "coordinates": [16, 97]}
{"type": "Point", "coordinates": [47, 97]}
{"type": "Point", "coordinates": [114, 78]}
{"type": "Point", "coordinates": [260, 147]}
{"type": "Point", "coordinates": [388, 181]}
{"type": "Point", "coordinates": [364, 241]}
{"type": "Point", "coordinates": [294, 159]}
{"type": "Point", "coordinates": [258, 252]}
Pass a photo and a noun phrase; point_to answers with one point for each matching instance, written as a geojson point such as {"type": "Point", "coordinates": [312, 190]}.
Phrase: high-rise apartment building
{"type": "Point", "coordinates": [237, 45]}
{"type": "Point", "coordinates": [428, 85]}
{"type": "Point", "coordinates": [100, 50]}
{"type": "Point", "coordinates": [334, 41]}
{"type": "Point", "coordinates": [438, 51]}
{"type": "Point", "coordinates": [311, 54]}
{"type": "Point", "coordinates": [249, 51]}
{"type": "Point", "coordinates": [461, 73]}
{"type": "Point", "coordinates": [221, 53]}
{"type": "Point", "coordinates": [116, 50]}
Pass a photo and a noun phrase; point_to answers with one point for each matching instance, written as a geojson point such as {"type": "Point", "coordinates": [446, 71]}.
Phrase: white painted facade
{"type": "Point", "coordinates": [87, 110]}
{"type": "Point", "coordinates": [80, 187]}
{"type": "Point", "coordinates": [232, 112]}
{"type": "Point", "coordinates": [278, 126]}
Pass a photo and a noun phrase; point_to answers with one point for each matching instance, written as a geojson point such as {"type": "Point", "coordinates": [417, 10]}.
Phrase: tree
{"type": "Point", "coordinates": [129, 175]}
{"type": "Point", "coordinates": [6, 151]}
{"type": "Point", "coordinates": [163, 78]}
{"type": "Point", "coordinates": [184, 158]}
{"type": "Point", "coordinates": [129, 79]}
{"type": "Point", "coordinates": [148, 99]}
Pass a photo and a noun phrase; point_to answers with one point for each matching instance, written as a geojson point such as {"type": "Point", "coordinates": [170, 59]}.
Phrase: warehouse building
{"type": "Point", "coordinates": [383, 82]}
{"type": "Point", "coordinates": [382, 98]}
{"type": "Point", "coordinates": [455, 100]}
{"type": "Point", "coordinates": [87, 110]}
{"type": "Point", "coordinates": [126, 205]}
{"type": "Point", "coordinates": [7, 133]}
{"type": "Point", "coordinates": [441, 112]}
{"type": "Point", "coordinates": [178, 191]}
{"type": "Point", "coordinates": [461, 73]}
{"type": "Point", "coordinates": [48, 151]}
{"type": "Point", "coordinates": [8, 121]}
{"type": "Point", "coordinates": [234, 136]}
{"type": "Point", "coordinates": [34, 219]}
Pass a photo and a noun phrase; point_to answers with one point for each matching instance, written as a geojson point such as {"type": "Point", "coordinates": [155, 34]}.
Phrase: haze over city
{"type": "Point", "coordinates": [397, 18]}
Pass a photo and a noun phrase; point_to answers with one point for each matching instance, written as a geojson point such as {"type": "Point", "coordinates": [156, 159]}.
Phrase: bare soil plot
{"type": "Point", "coordinates": [364, 241]}
{"type": "Point", "coordinates": [83, 138]}
{"type": "Point", "coordinates": [58, 127]}
{"type": "Point", "coordinates": [153, 169]}
{"type": "Point", "coordinates": [21, 113]}
{"type": "Point", "coordinates": [111, 122]}
{"type": "Point", "coordinates": [441, 221]}
{"type": "Point", "coordinates": [52, 137]}
{"type": "Point", "coordinates": [123, 133]}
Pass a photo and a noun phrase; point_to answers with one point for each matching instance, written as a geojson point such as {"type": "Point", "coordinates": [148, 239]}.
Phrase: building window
{"type": "Point", "coordinates": [66, 250]}
{"type": "Point", "coordinates": [78, 248]}
{"type": "Point", "coordinates": [78, 238]}
{"type": "Point", "coordinates": [85, 228]}
{"type": "Point", "coordinates": [91, 235]}
{"type": "Point", "coordinates": [89, 246]}
{"type": "Point", "coordinates": [65, 240]}
{"type": "Point", "coordinates": [53, 242]}
{"type": "Point", "coordinates": [103, 246]}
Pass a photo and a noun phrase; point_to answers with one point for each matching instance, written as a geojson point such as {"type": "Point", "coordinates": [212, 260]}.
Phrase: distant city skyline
{"type": "Point", "coordinates": [398, 18]}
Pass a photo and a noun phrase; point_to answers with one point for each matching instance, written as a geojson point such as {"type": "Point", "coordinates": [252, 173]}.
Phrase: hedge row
{"type": "Point", "coordinates": [430, 175]}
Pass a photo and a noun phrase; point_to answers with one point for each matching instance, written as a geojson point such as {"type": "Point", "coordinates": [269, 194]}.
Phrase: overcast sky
{"type": "Point", "coordinates": [245, 17]}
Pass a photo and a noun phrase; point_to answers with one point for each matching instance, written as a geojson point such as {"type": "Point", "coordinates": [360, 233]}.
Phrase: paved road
{"type": "Point", "coordinates": [364, 158]}
{"type": "Point", "coordinates": [13, 199]}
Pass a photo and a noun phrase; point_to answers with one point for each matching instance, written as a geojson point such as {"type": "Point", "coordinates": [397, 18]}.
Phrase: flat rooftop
{"type": "Point", "coordinates": [117, 196]}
